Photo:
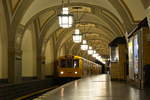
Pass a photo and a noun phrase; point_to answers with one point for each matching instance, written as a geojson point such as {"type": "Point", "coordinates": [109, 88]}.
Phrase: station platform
{"type": "Point", "coordinates": [97, 87]}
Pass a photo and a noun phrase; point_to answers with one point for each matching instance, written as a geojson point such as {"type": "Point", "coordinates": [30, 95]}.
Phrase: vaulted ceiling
{"type": "Point", "coordinates": [101, 21]}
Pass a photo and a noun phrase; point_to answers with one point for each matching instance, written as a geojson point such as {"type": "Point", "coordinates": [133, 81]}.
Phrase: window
{"type": "Point", "coordinates": [69, 63]}
{"type": "Point", "coordinates": [114, 54]}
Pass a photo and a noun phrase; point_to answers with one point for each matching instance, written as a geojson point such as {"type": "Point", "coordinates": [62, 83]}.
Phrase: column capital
{"type": "Point", "coordinates": [20, 28]}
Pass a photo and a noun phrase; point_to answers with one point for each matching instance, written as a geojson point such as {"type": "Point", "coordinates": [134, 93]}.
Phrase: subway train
{"type": "Point", "coordinates": [76, 66]}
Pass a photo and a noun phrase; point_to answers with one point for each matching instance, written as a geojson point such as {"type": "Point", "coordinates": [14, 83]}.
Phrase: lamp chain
{"type": "Point", "coordinates": [77, 17]}
{"type": "Point", "coordinates": [69, 2]}
{"type": "Point", "coordinates": [62, 3]}
{"type": "Point", "coordinates": [84, 32]}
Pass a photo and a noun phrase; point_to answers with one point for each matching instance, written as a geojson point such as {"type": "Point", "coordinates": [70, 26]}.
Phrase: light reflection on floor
{"type": "Point", "coordinates": [95, 88]}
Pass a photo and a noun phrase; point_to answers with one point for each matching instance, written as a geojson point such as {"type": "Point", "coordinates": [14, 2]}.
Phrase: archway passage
{"type": "Point", "coordinates": [28, 55]}
{"type": "Point", "coordinates": [49, 59]}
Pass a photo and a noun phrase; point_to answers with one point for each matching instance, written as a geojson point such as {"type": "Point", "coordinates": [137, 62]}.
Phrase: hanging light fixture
{"type": "Point", "coordinates": [90, 51]}
{"type": "Point", "coordinates": [99, 58]}
{"type": "Point", "coordinates": [84, 45]}
{"type": "Point", "coordinates": [65, 18]}
{"type": "Point", "coordinates": [94, 52]}
{"type": "Point", "coordinates": [95, 55]}
{"type": "Point", "coordinates": [77, 37]}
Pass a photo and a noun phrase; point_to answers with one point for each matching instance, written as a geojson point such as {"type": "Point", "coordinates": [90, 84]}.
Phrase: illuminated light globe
{"type": "Point", "coordinates": [77, 37]}
{"type": "Point", "coordinates": [65, 19]}
{"type": "Point", "coordinates": [94, 52]}
{"type": "Point", "coordinates": [84, 45]}
{"type": "Point", "coordinates": [95, 55]}
{"type": "Point", "coordinates": [90, 51]}
{"type": "Point", "coordinates": [103, 62]}
{"type": "Point", "coordinates": [99, 58]}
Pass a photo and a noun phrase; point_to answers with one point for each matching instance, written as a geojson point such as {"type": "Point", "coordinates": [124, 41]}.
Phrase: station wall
{"type": "Point", "coordinates": [28, 54]}
{"type": "Point", "coordinates": [3, 45]}
{"type": "Point", "coordinates": [49, 59]}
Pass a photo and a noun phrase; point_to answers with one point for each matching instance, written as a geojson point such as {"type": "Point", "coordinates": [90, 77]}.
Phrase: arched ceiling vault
{"type": "Point", "coordinates": [146, 3]}
{"type": "Point", "coordinates": [111, 25]}
{"type": "Point", "coordinates": [96, 41]}
{"type": "Point", "coordinates": [33, 10]}
{"type": "Point", "coordinates": [61, 34]}
{"type": "Point", "coordinates": [51, 21]}
{"type": "Point", "coordinates": [68, 35]}
{"type": "Point", "coordinates": [110, 18]}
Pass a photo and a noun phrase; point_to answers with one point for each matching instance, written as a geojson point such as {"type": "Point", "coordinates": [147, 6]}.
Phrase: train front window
{"type": "Point", "coordinates": [63, 63]}
{"type": "Point", "coordinates": [69, 63]}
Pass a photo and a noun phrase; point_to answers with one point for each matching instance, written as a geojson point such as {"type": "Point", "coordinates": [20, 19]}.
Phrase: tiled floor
{"type": "Point", "coordinates": [96, 88]}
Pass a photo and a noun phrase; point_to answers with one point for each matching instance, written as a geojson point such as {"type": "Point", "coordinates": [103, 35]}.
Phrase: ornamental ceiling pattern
{"type": "Point", "coordinates": [101, 21]}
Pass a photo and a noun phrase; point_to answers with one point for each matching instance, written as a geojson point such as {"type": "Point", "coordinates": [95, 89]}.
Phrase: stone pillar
{"type": "Point", "coordinates": [14, 65]}
{"type": "Point", "coordinates": [11, 64]}
{"type": "Point", "coordinates": [39, 62]}
{"type": "Point", "coordinates": [15, 56]}
{"type": "Point", "coordinates": [18, 66]}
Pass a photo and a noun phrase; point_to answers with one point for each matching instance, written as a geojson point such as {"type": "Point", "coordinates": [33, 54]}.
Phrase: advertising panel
{"type": "Point", "coordinates": [136, 54]}
{"type": "Point", "coordinates": [114, 54]}
{"type": "Point", "coordinates": [131, 64]}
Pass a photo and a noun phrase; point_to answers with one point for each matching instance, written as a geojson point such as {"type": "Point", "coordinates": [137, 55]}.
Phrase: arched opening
{"type": "Point", "coordinates": [28, 55]}
{"type": "Point", "coordinates": [49, 59]}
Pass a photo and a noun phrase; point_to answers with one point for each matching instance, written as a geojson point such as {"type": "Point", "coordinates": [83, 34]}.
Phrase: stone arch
{"type": "Point", "coordinates": [53, 8]}
{"type": "Point", "coordinates": [61, 52]}
{"type": "Point", "coordinates": [62, 41]}
{"type": "Point", "coordinates": [57, 7]}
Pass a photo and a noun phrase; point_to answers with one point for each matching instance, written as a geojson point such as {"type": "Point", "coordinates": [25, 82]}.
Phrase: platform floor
{"type": "Point", "coordinates": [96, 88]}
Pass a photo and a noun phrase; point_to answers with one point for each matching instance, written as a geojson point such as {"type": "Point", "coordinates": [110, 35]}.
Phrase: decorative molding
{"type": "Point", "coordinates": [57, 7]}
{"type": "Point", "coordinates": [146, 3]}
{"type": "Point", "coordinates": [7, 8]}
{"type": "Point", "coordinates": [15, 7]}
{"type": "Point", "coordinates": [43, 28]}
{"type": "Point", "coordinates": [107, 19]}
{"type": "Point", "coordinates": [46, 20]}
{"type": "Point", "coordinates": [129, 12]}
{"type": "Point", "coordinates": [19, 36]}
{"type": "Point", "coordinates": [120, 7]}
{"type": "Point", "coordinates": [19, 13]}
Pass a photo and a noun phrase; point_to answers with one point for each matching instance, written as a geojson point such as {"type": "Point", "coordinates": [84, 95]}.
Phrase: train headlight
{"type": "Point", "coordinates": [61, 72]}
{"type": "Point", "coordinates": [76, 72]}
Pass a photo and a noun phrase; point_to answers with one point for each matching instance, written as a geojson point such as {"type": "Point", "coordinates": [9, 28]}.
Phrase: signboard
{"type": "Point", "coordinates": [131, 64]}
{"type": "Point", "coordinates": [114, 54]}
{"type": "Point", "coordinates": [136, 54]}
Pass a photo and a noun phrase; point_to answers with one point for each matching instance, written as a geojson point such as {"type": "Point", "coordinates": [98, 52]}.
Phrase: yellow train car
{"type": "Point", "coordinates": [75, 66]}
